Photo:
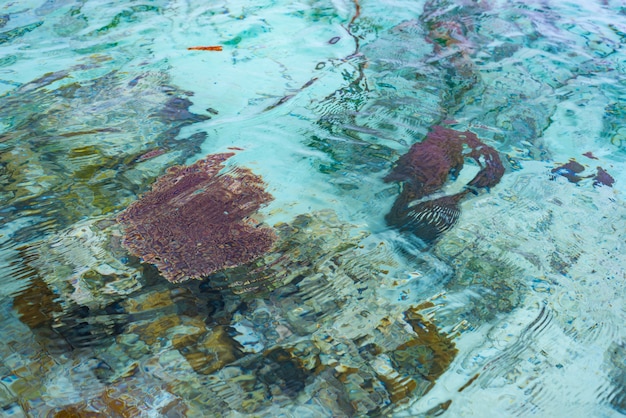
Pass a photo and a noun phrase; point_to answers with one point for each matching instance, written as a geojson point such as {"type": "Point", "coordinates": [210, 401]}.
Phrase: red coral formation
{"type": "Point", "coordinates": [602, 178]}
{"type": "Point", "coordinates": [195, 221]}
{"type": "Point", "coordinates": [425, 169]}
{"type": "Point", "coordinates": [570, 171]}
{"type": "Point", "coordinates": [426, 166]}
{"type": "Point", "coordinates": [492, 169]}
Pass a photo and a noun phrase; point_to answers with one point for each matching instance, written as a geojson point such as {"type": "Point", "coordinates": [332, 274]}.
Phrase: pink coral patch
{"type": "Point", "coordinates": [425, 168]}
{"type": "Point", "coordinates": [195, 221]}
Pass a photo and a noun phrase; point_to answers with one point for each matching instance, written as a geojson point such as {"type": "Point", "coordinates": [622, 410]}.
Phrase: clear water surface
{"type": "Point", "coordinates": [516, 310]}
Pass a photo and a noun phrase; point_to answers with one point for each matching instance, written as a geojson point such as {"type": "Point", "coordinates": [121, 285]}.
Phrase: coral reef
{"type": "Point", "coordinates": [488, 160]}
{"type": "Point", "coordinates": [602, 178]}
{"type": "Point", "coordinates": [312, 339]}
{"type": "Point", "coordinates": [75, 279]}
{"type": "Point", "coordinates": [424, 170]}
{"type": "Point", "coordinates": [195, 221]}
{"type": "Point", "coordinates": [572, 172]}
{"type": "Point", "coordinates": [70, 149]}
{"type": "Point", "coordinates": [569, 170]}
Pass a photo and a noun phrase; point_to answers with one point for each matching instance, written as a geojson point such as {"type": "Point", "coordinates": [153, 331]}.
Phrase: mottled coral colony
{"type": "Point", "coordinates": [425, 168]}
{"type": "Point", "coordinates": [195, 220]}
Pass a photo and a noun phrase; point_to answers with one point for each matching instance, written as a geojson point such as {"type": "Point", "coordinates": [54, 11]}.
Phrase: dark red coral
{"type": "Point", "coordinates": [570, 171]}
{"type": "Point", "coordinates": [491, 168]}
{"type": "Point", "coordinates": [602, 178]}
{"type": "Point", "coordinates": [425, 169]}
{"type": "Point", "coordinates": [195, 221]}
{"type": "Point", "coordinates": [427, 164]}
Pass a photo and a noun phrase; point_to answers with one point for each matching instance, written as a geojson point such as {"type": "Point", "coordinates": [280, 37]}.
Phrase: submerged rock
{"type": "Point", "coordinates": [83, 265]}
{"type": "Point", "coordinates": [74, 279]}
{"type": "Point", "coordinates": [70, 148]}
{"type": "Point", "coordinates": [300, 327]}
{"type": "Point", "coordinates": [302, 245]}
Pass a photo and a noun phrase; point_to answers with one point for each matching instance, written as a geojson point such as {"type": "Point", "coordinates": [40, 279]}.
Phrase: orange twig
{"type": "Point", "coordinates": [205, 48]}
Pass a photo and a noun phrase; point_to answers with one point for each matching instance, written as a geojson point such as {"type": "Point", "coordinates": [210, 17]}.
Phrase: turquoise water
{"type": "Point", "coordinates": [314, 302]}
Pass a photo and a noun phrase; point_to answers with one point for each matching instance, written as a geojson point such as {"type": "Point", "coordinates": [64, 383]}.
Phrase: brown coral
{"type": "Point", "coordinates": [424, 169]}
{"type": "Point", "coordinates": [195, 221]}
{"type": "Point", "coordinates": [491, 168]}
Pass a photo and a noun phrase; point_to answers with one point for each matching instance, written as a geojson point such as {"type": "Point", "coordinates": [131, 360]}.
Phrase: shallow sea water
{"type": "Point", "coordinates": [518, 309]}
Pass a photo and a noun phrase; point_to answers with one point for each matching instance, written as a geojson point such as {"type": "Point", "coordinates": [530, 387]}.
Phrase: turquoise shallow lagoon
{"type": "Point", "coordinates": [339, 208]}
